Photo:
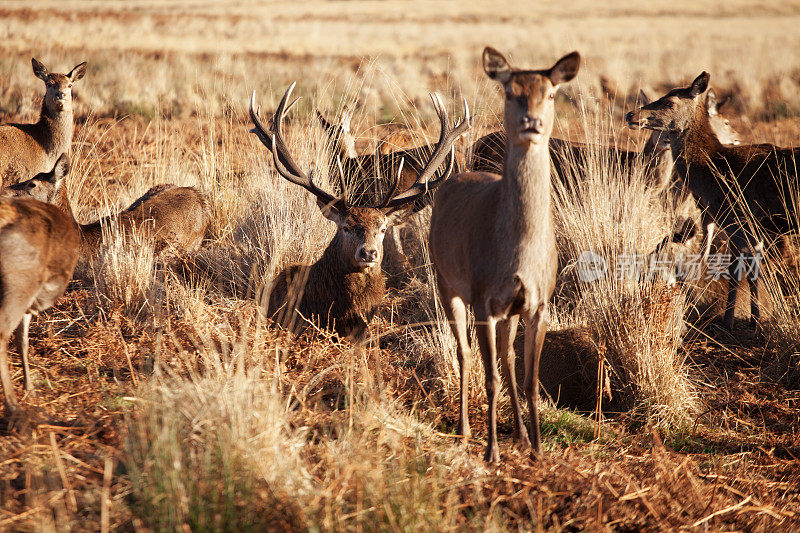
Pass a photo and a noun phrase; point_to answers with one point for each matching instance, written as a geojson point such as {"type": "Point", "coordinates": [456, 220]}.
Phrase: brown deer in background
{"type": "Point", "coordinates": [732, 184]}
{"type": "Point", "coordinates": [344, 288]}
{"type": "Point", "coordinates": [168, 216]}
{"type": "Point", "coordinates": [493, 244]}
{"type": "Point", "coordinates": [29, 149]}
{"type": "Point", "coordinates": [488, 152]}
{"type": "Point", "coordinates": [39, 246]}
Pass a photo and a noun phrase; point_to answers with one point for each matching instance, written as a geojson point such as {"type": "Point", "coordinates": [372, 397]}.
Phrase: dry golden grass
{"type": "Point", "coordinates": [173, 404]}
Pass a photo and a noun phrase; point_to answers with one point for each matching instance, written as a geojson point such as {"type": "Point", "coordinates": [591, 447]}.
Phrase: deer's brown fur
{"type": "Point", "coordinates": [344, 288]}
{"type": "Point", "coordinates": [38, 251]}
{"type": "Point", "coordinates": [731, 183]}
{"type": "Point", "coordinates": [493, 244]}
{"type": "Point", "coordinates": [168, 216]}
{"type": "Point", "coordinates": [29, 149]}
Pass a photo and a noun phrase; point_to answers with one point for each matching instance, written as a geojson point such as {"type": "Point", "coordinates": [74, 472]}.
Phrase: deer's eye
{"type": "Point", "coordinates": [383, 230]}
{"type": "Point", "coordinates": [727, 123]}
{"type": "Point", "coordinates": [552, 96]}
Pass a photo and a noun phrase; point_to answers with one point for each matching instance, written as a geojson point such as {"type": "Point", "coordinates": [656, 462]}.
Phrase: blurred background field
{"type": "Point", "coordinates": [186, 411]}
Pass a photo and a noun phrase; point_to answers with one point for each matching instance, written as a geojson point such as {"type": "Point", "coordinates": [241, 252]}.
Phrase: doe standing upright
{"type": "Point", "coordinates": [493, 243]}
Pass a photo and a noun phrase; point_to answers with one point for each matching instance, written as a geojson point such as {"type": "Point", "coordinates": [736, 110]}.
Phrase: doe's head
{"type": "Point", "coordinates": [58, 93]}
{"type": "Point", "coordinates": [674, 111]}
{"type": "Point", "coordinates": [530, 94]}
{"type": "Point", "coordinates": [44, 186]}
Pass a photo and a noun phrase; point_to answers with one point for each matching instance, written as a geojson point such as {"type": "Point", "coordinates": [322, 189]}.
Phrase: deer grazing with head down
{"type": "Point", "coordinates": [168, 216]}
{"type": "Point", "coordinates": [28, 149]}
{"type": "Point", "coordinates": [344, 288]}
{"type": "Point", "coordinates": [493, 244]}
{"type": "Point", "coordinates": [732, 184]}
{"type": "Point", "coordinates": [39, 246]}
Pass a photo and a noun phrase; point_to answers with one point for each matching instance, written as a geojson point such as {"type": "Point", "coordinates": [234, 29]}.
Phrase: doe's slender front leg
{"type": "Point", "coordinates": [485, 327]}
{"type": "Point", "coordinates": [506, 332]}
{"type": "Point", "coordinates": [21, 343]}
{"type": "Point", "coordinates": [536, 328]}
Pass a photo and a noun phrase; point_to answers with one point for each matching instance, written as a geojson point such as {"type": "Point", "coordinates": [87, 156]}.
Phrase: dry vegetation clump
{"type": "Point", "coordinates": [633, 316]}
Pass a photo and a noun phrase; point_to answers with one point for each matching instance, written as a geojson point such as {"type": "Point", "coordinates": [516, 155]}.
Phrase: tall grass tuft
{"type": "Point", "coordinates": [634, 316]}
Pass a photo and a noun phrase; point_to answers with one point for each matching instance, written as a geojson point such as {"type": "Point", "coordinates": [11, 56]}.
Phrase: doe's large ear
{"type": "Point", "coordinates": [39, 70]}
{"type": "Point", "coordinates": [711, 102]}
{"type": "Point", "coordinates": [77, 73]}
{"type": "Point", "coordinates": [333, 212]}
{"type": "Point", "coordinates": [399, 216]}
{"type": "Point", "coordinates": [496, 65]}
{"type": "Point", "coordinates": [700, 84]}
{"type": "Point", "coordinates": [565, 68]}
{"type": "Point", "coordinates": [61, 168]}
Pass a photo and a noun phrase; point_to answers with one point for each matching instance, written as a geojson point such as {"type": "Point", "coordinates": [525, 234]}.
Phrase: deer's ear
{"type": "Point", "coordinates": [565, 68]}
{"type": "Point", "coordinates": [700, 84]}
{"type": "Point", "coordinates": [399, 216]}
{"type": "Point", "coordinates": [335, 212]}
{"type": "Point", "coordinates": [496, 65]}
{"type": "Point", "coordinates": [61, 169]}
{"type": "Point", "coordinates": [78, 72]}
{"type": "Point", "coordinates": [39, 70]}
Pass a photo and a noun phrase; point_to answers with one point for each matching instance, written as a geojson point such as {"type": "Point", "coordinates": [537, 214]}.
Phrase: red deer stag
{"type": "Point", "coordinates": [344, 288]}
{"type": "Point", "coordinates": [493, 244]}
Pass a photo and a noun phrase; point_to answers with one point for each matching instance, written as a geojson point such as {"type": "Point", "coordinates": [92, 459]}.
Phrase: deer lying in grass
{"type": "Point", "coordinates": [169, 216]}
{"type": "Point", "coordinates": [38, 250]}
{"type": "Point", "coordinates": [493, 244]}
{"type": "Point", "coordinates": [28, 149]}
{"type": "Point", "coordinates": [732, 184]}
{"type": "Point", "coordinates": [344, 288]}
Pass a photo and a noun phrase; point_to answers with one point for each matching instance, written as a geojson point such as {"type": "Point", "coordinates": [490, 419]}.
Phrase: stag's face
{"type": "Point", "coordinates": [674, 111]}
{"type": "Point", "coordinates": [529, 95]}
{"type": "Point", "coordinates": [58, 87]}
{"type": "Point", "coordinates": [361, 233]}
{"type": "Point", "coordinates": [44, 186]}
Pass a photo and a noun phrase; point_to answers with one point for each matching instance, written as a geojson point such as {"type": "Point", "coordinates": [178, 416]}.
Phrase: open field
{"type": "Point", "coordinates": [168, 402]}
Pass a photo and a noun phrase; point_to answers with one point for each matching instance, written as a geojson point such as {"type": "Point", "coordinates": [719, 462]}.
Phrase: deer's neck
{"type": "Point", "coordinates": [346, 286]}
{"type": "Point", "coordinates": [55, 129]}
{"type": "Point", "coordinates": [91, 234]}
{"type": "Point", "coordinates": [697, 143]}
{"type": "Point", "coordinates": [525, 199]}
